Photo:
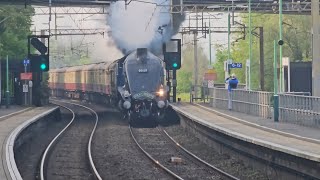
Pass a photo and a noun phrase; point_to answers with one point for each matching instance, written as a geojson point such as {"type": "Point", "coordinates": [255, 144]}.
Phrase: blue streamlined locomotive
{"type": "Point", "coordinates": [135, 83]}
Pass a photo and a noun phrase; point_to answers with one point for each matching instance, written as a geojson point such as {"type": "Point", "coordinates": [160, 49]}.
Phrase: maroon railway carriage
{"type": "Point", "coordinates": [81, 82]}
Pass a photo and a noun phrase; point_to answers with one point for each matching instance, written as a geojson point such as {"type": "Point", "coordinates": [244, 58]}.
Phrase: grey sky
{"type": "Point", "coordinates": [101, 47]}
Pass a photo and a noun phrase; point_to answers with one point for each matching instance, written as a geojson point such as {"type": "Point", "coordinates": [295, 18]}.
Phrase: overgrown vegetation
{"type": "Point", "coordinates": [15, 23]}
{"type": "Point", "coordinates": [297, 46]}
{"type": "Point", "coordinates": [14, 29]}
{"type": "Point", "coordinates": [44, 96]}
{"type": "Point", "coordinates": [185, 75]}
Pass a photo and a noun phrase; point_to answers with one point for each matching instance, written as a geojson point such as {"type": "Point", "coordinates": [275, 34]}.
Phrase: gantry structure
{"type": "Point", "coordinates": [307, 7]}
{"type": "Point", "coordinates": [177, 6]}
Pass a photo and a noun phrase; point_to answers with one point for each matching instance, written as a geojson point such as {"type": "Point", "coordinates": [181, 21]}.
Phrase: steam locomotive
{"type": "Point", "coordinates": [134, 83]}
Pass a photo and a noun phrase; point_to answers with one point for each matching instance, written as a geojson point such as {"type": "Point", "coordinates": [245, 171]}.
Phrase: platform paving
{"type": "Point", "coordinates": [12, 110]}
{"type": "Point", "coordinates": [296, 129]}
{"type": "Point", "coordinates": [7, 126]}
{"type": "Point", "coordinates": [253, 134]}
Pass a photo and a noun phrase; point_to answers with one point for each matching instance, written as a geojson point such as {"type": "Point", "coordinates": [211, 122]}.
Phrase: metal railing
{"type": "Point", "coordinates": [298, 93]}
{"type": "Point", "coordinates": [199, 93]}
{"type": "Point", "coordinates": [294, 107]}
{"type": "Point", "coordinates": [251, 102]}
{"type": "Point", "coordinates": [222, 85]}
{"type": "Point", "coordinates": [303, 110]}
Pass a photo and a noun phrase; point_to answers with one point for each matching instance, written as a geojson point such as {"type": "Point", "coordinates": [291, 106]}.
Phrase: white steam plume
{"type": "Point", "coordinates": [140, 24]}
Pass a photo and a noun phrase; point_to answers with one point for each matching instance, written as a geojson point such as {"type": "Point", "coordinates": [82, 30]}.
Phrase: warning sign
{"type": "Point", "coordinates": [26, 76]}
{"type": "Point", "coordinates": [210, 84]}
{"type": "Point", "coordinates": [25, 88]}
{"type": "Point", "coordinates": [210, 74]}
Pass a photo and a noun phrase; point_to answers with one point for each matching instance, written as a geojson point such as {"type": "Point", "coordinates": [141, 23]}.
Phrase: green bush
{"type": "Point", "coordinates": [185, 97]}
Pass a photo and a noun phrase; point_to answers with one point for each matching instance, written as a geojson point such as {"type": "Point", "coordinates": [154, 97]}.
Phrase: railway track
{"type": "Point", "coordinates": [68, 156]}
{"type": "Point", "coordinates": [177, 161]}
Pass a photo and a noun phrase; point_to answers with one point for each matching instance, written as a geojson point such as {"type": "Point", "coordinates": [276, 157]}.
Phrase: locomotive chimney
{"type": "Point", "coordinates": [142, 54]}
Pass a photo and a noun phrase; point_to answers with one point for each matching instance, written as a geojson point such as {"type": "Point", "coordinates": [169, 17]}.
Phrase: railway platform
{"type": "Point", "coordinates": [13, 121]}
{"type": "Point", "coordinates": [285, 127]}
{"type": "Point", "coordinates": [292, 142]}
{"type": "Point", "coordinates": [13, 110]}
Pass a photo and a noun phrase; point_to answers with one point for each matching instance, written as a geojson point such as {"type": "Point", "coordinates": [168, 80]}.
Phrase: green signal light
{"type": "Point", "coordinates": [175, 65]}
{"type": "Point", "coordinates": [43, 66]}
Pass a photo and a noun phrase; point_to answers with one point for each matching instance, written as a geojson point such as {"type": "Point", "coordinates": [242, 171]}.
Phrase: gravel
{"type": "Point", "coordinates": [162, 149]}
{"type": "Point", "coordinates": [115, 154]}
{"type": "Point", "coordinates": [223, 161]}
{"type": "Point", "coordinates": [28, 155]}
{"type": "Point", "coordinates": [69, 159]}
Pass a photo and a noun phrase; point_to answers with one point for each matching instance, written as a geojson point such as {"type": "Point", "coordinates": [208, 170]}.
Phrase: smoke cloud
{"type": "Point", "coordinates": [141, 25]}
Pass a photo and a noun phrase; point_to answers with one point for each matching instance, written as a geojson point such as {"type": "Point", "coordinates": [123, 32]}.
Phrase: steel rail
{"type": "Point", "coordinates": [199, 159]}
{"type": "Point", "coordinates": [46, 152]}
{"type": "Point", "coordinates": [96, 174]}
{"type": "Point", "coordinates": [152, 159]}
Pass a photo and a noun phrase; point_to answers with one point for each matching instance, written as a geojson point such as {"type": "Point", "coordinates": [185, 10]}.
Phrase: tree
{"type": "Point", "coordinates": [185, 76]}
{"type": "Point", "coordinates": [44, 89]}
{"type": "Point", "coordinates": [221, 56]}
{"type": "Point", "coordinates": [297, 47]}
{"type": "Point", "coordinates": [14, 31]}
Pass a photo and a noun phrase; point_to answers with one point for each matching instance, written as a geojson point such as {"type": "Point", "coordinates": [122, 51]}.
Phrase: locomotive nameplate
{"type": "Point", "coordinates": [143, 95]}
{"type": "Point", "coordinates": [143, 70]}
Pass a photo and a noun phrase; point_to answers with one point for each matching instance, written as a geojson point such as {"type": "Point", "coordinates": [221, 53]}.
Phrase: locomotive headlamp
{"type": "Point", "coordinates": [161, 92]}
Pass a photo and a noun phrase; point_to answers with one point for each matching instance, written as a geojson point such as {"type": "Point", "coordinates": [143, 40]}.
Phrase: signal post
{"type": "Point", "coordinates": [172, 58]}
{"type": "Point", "coordinates": [39, 62]}
{"type": "Point", "coordinates": [26, 77]}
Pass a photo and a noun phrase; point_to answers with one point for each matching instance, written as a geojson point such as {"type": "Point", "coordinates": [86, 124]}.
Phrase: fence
{"type": "Point", "coordinates": [251, 102]}
{"type": "Point", "coordinates": [293, 108]}
{"type": "Point", "coordinates": [303, 110]}
{"type": "Point", "coordinates": [199, 93]}
{"type": "Point", "coordinates": [222, 85]}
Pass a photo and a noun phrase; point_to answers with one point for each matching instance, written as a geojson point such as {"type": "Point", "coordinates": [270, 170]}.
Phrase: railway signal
{"type": "Point", "coordinates": [36, 43]}
{"type": "Point", "coordinates": [39, 63]}
{"type": "Point", "coordinates": [175, 65]}
{"type": "Point", "coordinates": [172, 54]}
{"type": "Point", "coordinates": [44, 63]}
{"type": "Point", "coordinates": [172, 58]}
{"type": "Point", "coordinates": [173, 61]}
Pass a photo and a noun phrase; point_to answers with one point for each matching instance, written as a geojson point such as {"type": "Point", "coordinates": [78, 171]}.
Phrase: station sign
{"type": "Point", "coordinates": [235, 65]}
{"type": "Point", "coordinates": [26, 62]}
{"type": "Point", "coordinates": [210, 74]}
{"type": "Point", "coordinates": [26, 76]}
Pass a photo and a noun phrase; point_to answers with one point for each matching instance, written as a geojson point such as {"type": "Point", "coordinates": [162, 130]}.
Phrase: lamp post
{"type": "Point", "coordinates": [7, 92]}
{"type": "Point", "coordinates": [275, 84]}
{"type": "Point", "coordinates": [280, 50]}
{"type": "Point", "coordinates": [7, 104]}
{"type": "Point", "coordinates": [250, 46]}
{"type": "Point", "coordinates": [228, 33]}
{"type": "Point", "coordinates": [210, 41]}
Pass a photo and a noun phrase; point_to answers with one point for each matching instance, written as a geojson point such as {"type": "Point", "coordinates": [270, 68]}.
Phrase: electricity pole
{"type": "Point", "coordinates": [195, 34]}
{"type": "Point", "coordinates": [7, 92]}
{"type": "Point", "coordinates": [315, 48]}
